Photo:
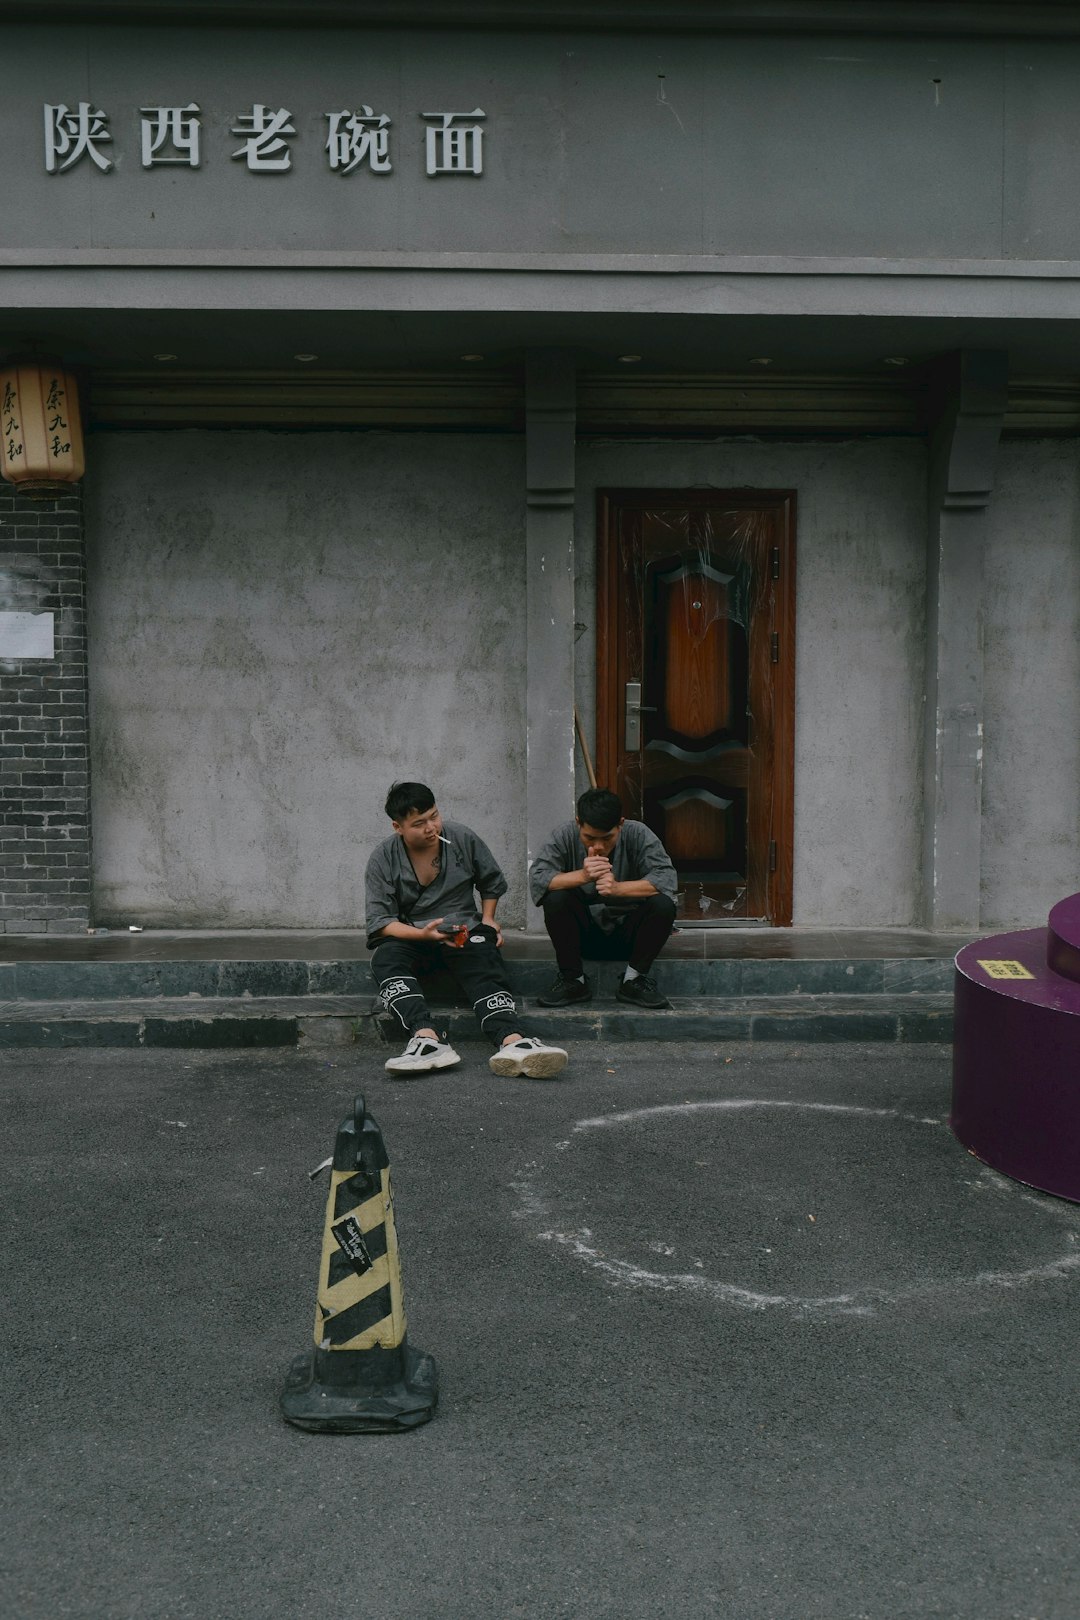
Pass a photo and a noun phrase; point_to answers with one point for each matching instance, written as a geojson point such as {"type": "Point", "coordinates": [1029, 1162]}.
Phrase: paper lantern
{"type": "Point", "coordinates": [41, 442]}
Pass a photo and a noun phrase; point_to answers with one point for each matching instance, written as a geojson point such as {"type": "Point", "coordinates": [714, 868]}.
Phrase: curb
{"type": "Point", "coordinates": [333, 1021]}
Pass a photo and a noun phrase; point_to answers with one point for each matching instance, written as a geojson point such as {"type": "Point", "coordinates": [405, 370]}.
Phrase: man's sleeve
{"type": "Point", "coordinates": [487, 873]}
{"type": "Point", "coordinates": [380, 898]}
{"type": "Point", "coordinates": [553, 858]}
{"type": "Point", "coordinates": [655, 864]}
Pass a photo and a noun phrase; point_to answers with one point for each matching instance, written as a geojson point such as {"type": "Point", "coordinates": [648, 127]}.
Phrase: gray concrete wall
{"type": "Point", "coordinates": [1031, 779]}
{"type": "Point", "coordinates": [860, 624]}
{"type": "Point", "coordinates": [812, 145]}
{"type": "Point", "coordinates": [280, 625]}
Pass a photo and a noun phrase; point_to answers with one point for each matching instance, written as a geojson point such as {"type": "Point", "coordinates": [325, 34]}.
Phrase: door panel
{"type": "Point", "coordinates": [695, 689]}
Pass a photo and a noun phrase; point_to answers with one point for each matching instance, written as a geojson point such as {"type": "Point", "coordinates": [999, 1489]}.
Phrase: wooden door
{"type": "Point", "coordinates": [696, 687]}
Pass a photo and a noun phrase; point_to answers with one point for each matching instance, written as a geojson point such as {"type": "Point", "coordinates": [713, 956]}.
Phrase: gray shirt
{"type": "Point", "coordinates": [393, 894]}
{"type": "Point", "coordinates": [637, 854]}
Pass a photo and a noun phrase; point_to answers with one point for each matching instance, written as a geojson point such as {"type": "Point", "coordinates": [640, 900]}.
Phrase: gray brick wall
{"type": "Point", "coordinates": [44, 757]}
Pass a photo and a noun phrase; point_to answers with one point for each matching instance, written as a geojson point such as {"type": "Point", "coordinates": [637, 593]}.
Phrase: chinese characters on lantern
{"type": "Point", "coordinates": [41, 443]}
{"type": "Point", "coordinates": [12, 432]}
{"type": "Point", "coordinates": [357, 139]}
{"type": "Point", "coordinates": [54, 414]}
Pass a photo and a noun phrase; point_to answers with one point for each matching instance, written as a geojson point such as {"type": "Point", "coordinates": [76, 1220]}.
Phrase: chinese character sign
{"type": "Point", "coordinates": [170, 135]}
{"type": "Point", "coordinates": [264, 148]}
{"type": "Point", "coordinates": [357, 139]}
{"type": "Point", "coordinates": [72, 135]}
{"type": "Point", "coordinates": [996, 969]}
{"type": "Point", "coordinates": [453, 144]}
{"type": "Point", "coordinates": [42, 428]}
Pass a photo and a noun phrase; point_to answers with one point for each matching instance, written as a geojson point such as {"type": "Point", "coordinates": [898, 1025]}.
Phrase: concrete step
{"type": "Point", "coordinates": [224, 979]}
{"type": "Point", "coordinates": [224, 1021]}
{"type": "Point", "coordinates": [185, 1021]}
{"type": "Point", "coordinates": [735, 1018]}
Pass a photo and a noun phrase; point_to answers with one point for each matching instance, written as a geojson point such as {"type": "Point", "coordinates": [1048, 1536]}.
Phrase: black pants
{"type": "Point", "coordinates": [476, 969]}
{"type": "Point", "coordinates": [639, 937]}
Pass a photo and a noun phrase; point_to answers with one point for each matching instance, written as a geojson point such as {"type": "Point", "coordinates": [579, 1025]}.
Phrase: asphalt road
{"type": "Point", "coordinates": [732, 1332]}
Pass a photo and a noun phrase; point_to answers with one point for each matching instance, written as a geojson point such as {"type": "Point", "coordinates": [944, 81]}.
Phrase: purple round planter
{"type": "Point", "coordinates": [1016, 1053]}
{"type": "Point", "coordinates": [1063, 939]}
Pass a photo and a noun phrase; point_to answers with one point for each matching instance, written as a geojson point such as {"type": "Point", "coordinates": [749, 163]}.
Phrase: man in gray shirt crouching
{"type": "Point", "coordinates": [607, 887]}
{"type": "Point", "coordinates": [421, 913]}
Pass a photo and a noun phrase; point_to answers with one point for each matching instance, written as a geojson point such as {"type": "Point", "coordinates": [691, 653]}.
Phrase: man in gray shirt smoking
{"type": "Point", "coordinates": [607, 887]}
{"type": "Point", "coordinates": [421, 886]}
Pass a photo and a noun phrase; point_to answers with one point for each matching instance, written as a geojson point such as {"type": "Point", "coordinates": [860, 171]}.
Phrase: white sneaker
{"type": "Point", "coordinates": [421, 1055]}
{"type": "Point", "coordinates": [528, 1056]}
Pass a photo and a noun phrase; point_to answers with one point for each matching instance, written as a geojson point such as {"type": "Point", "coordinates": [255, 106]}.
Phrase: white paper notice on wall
{"type": "Point", "coordinates": [27, 635]}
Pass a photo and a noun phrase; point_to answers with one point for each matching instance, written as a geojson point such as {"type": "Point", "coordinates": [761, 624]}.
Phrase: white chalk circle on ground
{"type": "Point", "coordinates": [756, 1212]}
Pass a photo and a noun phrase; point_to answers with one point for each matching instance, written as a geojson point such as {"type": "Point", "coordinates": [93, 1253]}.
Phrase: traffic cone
{"type": "Point", "coordinates": [361, 1377]}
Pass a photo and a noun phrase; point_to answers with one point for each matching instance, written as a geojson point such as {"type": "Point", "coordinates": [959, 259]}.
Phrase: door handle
{"type": "Point", "coordinates": [634, 710]}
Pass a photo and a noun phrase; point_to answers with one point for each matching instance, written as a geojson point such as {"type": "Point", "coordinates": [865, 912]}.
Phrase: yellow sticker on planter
{"type": "Point", "coordinates": [1006, 970]}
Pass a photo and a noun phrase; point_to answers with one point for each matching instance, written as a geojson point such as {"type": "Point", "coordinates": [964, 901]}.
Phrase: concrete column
{"type": "Point", "coordinates": [968, 404]}
{"type": "Point", "coordinates": [550, 420]}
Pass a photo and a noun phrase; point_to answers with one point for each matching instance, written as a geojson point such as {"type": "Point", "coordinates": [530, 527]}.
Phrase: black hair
{"type": "Point", "coordinates": [406, 796]}
{"type": "Point", "coordinates": [600, 808]}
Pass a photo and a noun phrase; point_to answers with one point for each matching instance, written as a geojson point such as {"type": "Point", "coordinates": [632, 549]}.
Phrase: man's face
{"type": "Point", "coordinates": [597, 842]}
{"type": "Point", "coordinates": [420, 830]}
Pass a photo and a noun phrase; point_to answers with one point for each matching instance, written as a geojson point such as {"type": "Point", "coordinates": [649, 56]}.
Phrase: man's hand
{"type": "Point", "coordinates": [429, 932]}
{"type": "Point", "coordinates": [487, 920]}
{"type": "Point", "coordinates": [606, 884]}
{"type": "Point", "coordinates": [596, 867]}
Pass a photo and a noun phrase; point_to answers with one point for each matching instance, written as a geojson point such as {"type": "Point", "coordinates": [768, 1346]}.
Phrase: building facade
{"type": "Point", "coordinates": [468, 390]}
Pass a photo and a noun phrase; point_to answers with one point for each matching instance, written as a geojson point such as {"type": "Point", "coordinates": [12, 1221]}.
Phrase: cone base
{"type": "Point", "coordinates": [324, 1408]}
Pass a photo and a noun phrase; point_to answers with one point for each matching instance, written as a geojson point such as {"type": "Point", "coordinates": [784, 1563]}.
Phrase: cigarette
{"type": "Point", "coordinates": [443, 840]}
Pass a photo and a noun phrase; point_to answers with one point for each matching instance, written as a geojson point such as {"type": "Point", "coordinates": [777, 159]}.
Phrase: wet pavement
{"type": "Point", "coordinates": [734, 1331]}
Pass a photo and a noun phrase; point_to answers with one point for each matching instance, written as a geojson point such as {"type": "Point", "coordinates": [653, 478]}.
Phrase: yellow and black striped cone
{"type": "Point", "coordinates": [361, 1377]}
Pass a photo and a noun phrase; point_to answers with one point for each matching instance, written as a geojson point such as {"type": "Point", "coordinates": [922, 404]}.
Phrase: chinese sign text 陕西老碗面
{"type": "Point", "coordinates": [453, 142]}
